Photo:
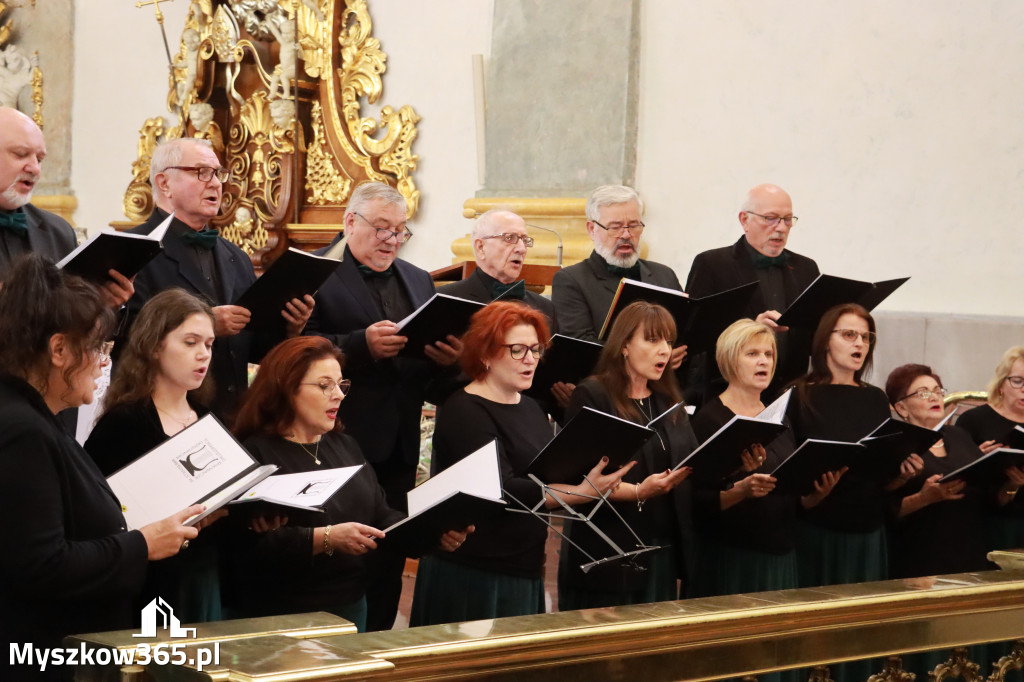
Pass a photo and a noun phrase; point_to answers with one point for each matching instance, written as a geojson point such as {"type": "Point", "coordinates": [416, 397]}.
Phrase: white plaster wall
{"type": "Point", "coordinates": [896, 126]}
{"type": "Point", "coordinates": [120, 75]}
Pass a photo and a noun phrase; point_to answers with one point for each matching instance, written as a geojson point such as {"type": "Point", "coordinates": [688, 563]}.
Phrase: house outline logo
{"type": "Point", "coordinates": [160, 610]}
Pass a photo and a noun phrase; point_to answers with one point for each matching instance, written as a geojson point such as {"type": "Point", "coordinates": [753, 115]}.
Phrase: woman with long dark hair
{"type": "Point", "coordinates": [633, 380]}
{"type": "Point", "coordinates": [68, 565]}
{"type": "Point", "coordinates": [155, 393]}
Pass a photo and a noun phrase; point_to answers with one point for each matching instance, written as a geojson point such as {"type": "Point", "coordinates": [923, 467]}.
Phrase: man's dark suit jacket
{"type": "Point", "coordinates": [175, 267]}
{"type": "Point", "coordinates": [582, 293]}
{"type": "Point", "coordinates": [729, 267]}
{"type": "Point", "coordinates": [382, 410]}
{"type": "Point", "coordinates": [48, 234]}
{"type": "Point", "coordinates": [475, 288]}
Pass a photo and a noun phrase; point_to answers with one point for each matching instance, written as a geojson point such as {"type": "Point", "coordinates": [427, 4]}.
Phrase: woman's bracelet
{"type": "Point", "coordinates": [328, 550]}
{"type": "Point", "coordinates": [639, 502]}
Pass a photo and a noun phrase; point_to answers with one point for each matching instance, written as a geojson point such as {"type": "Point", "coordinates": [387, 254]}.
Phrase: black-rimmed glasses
{"type": "Point", "coordinates": [205, 173]}
{"type": "Point", "coordinates": [518, 350]}
{"type": "Point", "coordinates": [384, 233]}
{"type": "Point", "coordinates": [328, 387]}
{"type": "Point", "coordinates": [773, 220]}
{"type": "Point", "coordinates": [635, 228]}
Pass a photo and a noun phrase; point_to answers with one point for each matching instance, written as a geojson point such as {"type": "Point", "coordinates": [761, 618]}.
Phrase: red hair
{"type": "Point", "coordinates": [268, 408]}
{"type": "Point", "coordinates": [487, 331]}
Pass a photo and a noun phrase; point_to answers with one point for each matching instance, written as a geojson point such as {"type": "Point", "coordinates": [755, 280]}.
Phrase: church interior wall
{"type": "Point", "coordinates": [896, 127]}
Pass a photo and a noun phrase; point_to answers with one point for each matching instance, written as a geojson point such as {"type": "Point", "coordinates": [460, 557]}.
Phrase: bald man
{"type": "Point", "coordinates": [23, 227]}
{"type": "Point", "coordinates": [766, 217]}
{"type": "Point", "coordinates": [500, 243]}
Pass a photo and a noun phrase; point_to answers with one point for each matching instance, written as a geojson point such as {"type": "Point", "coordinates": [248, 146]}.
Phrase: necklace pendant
{"type": "Point", "coordinates": [317, 461]}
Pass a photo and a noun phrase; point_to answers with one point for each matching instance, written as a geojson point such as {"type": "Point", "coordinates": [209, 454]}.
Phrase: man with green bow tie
{"type": "Point", "coordinates": [23, 227]}
{"type": "Point", "coordinates": [188, 180]}
{"type": "Point", "coordinates": [760, 255]}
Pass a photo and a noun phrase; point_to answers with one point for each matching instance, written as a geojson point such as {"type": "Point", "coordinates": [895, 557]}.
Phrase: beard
{"type": "Point", "coordinates": [13, 198]}
{"type": "Point", "coordinates": [611, 258]}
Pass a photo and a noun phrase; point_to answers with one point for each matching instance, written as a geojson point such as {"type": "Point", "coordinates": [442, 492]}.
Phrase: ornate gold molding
{"type": "Point", "coordinates": [893, 672]}
{"type": "Point", "coordinates": [1013, 661]}
{"type": "Point", "coordinates": [325, 184]}
{"type": "Point", "coordinates": [958, 666]}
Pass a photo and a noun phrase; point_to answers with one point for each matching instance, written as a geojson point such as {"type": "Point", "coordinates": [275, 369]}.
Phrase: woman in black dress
{"type": "Point", "coordinates": [289, 417]}
{"type": "Point", "coordinates": [153, 395]}
{"type": "Point", "coordinates": [745, 528]}
{"type": "Point", "coordinates": [499, 570]}
{"type": "Point", "coordinates": [993, 425]}
{"type": "Point", "coordinates": [930, 513]}
{"type": "Point", "coordinates": [842, 539]}
{"type": "Point", "coordinates": [69, 565]}
{"type": "Point", "coordinates": [634, 380]}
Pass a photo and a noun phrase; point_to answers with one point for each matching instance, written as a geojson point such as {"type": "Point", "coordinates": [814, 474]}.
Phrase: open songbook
{"type": "Point", "coordinates": [124, 252]}
{"type": "Point", "coordinates": [806, 465]}
{"type": "Point", "coordinates": [699, 321]}
{"type": "Point", "coordinates": [721, 454]}
{"type": "Point", "coordinates": [450, 500]}
{"type": "Point", "coordinates": [299, 496]}
{"type": "Point", "coordinates": [434, 321]}
{"type": "Point", "coordinates": [566, 359]}
{"type": "Point", "coordinates": [990, 468]}
{"type": "Point", "coordinates": [589, 436]}
{"type": "Point", "coordinates": [294, 274]}
{"type": "Point", "coordinates": [827, 291]}
{"type": "Point", "coordinates": [200, 464]}
{"type": "Point", "coordinates": [893, 441]}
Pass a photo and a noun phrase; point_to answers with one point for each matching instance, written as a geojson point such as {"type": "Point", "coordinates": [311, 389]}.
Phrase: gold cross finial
{"type": "Point", "coordinates": [156, 5]}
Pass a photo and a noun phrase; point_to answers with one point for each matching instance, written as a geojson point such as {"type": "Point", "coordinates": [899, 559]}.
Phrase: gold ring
{"type": "Point", "coordinates": [184, 545]}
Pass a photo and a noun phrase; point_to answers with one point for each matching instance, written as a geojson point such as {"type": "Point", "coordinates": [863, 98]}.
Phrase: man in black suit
{"type": "Point", "coordinates": [187, 179]}
{"type": "Point", "coordinates": [500, 241]}
{"type": "Point", "coordinates": [760, 255]}
{"type": "Point", "coordinates": [23, 227]}
{"type": "Point", "coordinates": [357, 309]}
{"type": "Point", "coordinates": [582, 293]}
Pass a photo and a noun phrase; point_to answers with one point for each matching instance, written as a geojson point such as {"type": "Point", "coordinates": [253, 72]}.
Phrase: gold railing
{"type": "Point", "coordinates": [698, 639]}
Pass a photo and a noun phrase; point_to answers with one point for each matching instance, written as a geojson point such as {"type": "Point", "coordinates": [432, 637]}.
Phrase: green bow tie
{"type": "Point", "coordinates": [204, 239]}
{"type": "Point", "coordinates": [629, 273]}
{"type": "Point", "coordinates": [367, 272]}
{"type": "Point", "coordinates": [516, 290]}
{"type": "Point", "coordinates": [15, 221]}
{"type": "Point", "coordinates": [763, 262]}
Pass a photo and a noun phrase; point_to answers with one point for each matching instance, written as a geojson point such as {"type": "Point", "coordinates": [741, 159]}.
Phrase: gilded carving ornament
{"type": "Point", "coordinates": [957, 667]}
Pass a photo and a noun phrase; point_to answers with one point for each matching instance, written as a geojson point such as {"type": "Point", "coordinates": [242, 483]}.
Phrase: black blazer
{"type": "Point", "coordinates": [382, 410]}
{"type": "Point", "coordinates": [582, 293]}
{"type": "Point", "coordinates": [48, 234]}
{"type": "Point", "coordinates": [174, 267]}
{"type": "Point", "coordinates": [68, 564]}
{"type": "Point", "coordinates": [475, 288]}
{"type": "Point", "coordinates": [729, 267]}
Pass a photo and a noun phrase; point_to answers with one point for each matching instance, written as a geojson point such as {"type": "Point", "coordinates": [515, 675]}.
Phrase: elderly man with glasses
{"type": "Point", "coordinates": [187, 180]}
{"type": "Point", "coordinates": [500, 244]}
{"type": "Point", "coordinates": [582, 293]}
{"type": "Point", "coordinates": [358, 309]}
{"type": "Point", "coordinates": [759, 255]}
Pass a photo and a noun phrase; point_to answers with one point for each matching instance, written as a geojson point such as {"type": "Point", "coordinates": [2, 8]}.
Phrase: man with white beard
{"type": "Point", "coordinates": [583, 292]}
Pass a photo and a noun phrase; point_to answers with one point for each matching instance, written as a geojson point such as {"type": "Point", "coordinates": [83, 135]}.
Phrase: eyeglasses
{"type": "Point", "coordinates": [328, 387]}
{"type": "Point", "coordinates": [384, 234]}
{"type": "Point", "coordinates": [635, 228]}
{"type": "Point", "coordinates": [1016, 382]}
{"type": "Point", "coordinates": [852, 335]}
{"type": "Point", "coordinates": [511, 238]}
{"type": "Point", "coordinates": [774, 220]}
{"type": "Point", "coordinates": [205, 173]}
{"type": "Point", "coordinates": [518, 350]}
{"type": "Point", "coordinates": [926, 394]}
{"type": "Point", "coordinates": [103, 351]}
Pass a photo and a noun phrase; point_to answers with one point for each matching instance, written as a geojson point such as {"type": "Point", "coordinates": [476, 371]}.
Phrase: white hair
{"type": "Point", "coordinates": [484, 224]}
{"type": "Point", "coordinates": [169, 154]}
{"type": "Point", "coordinates": [368, 191]}
{"type": "Point", "coordinates": [609, 195]}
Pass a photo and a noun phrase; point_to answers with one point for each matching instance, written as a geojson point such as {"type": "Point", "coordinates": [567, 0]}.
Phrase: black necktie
{"type": "Point", "coordinates": [632, 272]}
{"type": "Point", "coordinates": [367, 272]}
{"type": "Point", "coordinates": [15, 222]}
{"type": "Point", "coordinates": [204, 239]}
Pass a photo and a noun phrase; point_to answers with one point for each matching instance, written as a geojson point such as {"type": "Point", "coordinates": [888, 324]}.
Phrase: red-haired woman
{"type": "Point", "coordinates": [289, 418]}
{"type": "Point", "coordinates": [498, 571]}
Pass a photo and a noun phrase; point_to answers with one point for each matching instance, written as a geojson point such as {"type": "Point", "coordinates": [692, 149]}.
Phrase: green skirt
{"type": "Point", "coordinates": [447, 592]}
{"type": "Point", "coordinates": [661, 585]}
{"type": "Point", "coordinates": [724, 569]}
{"type": "Point", "coordinates": [826, 557]}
